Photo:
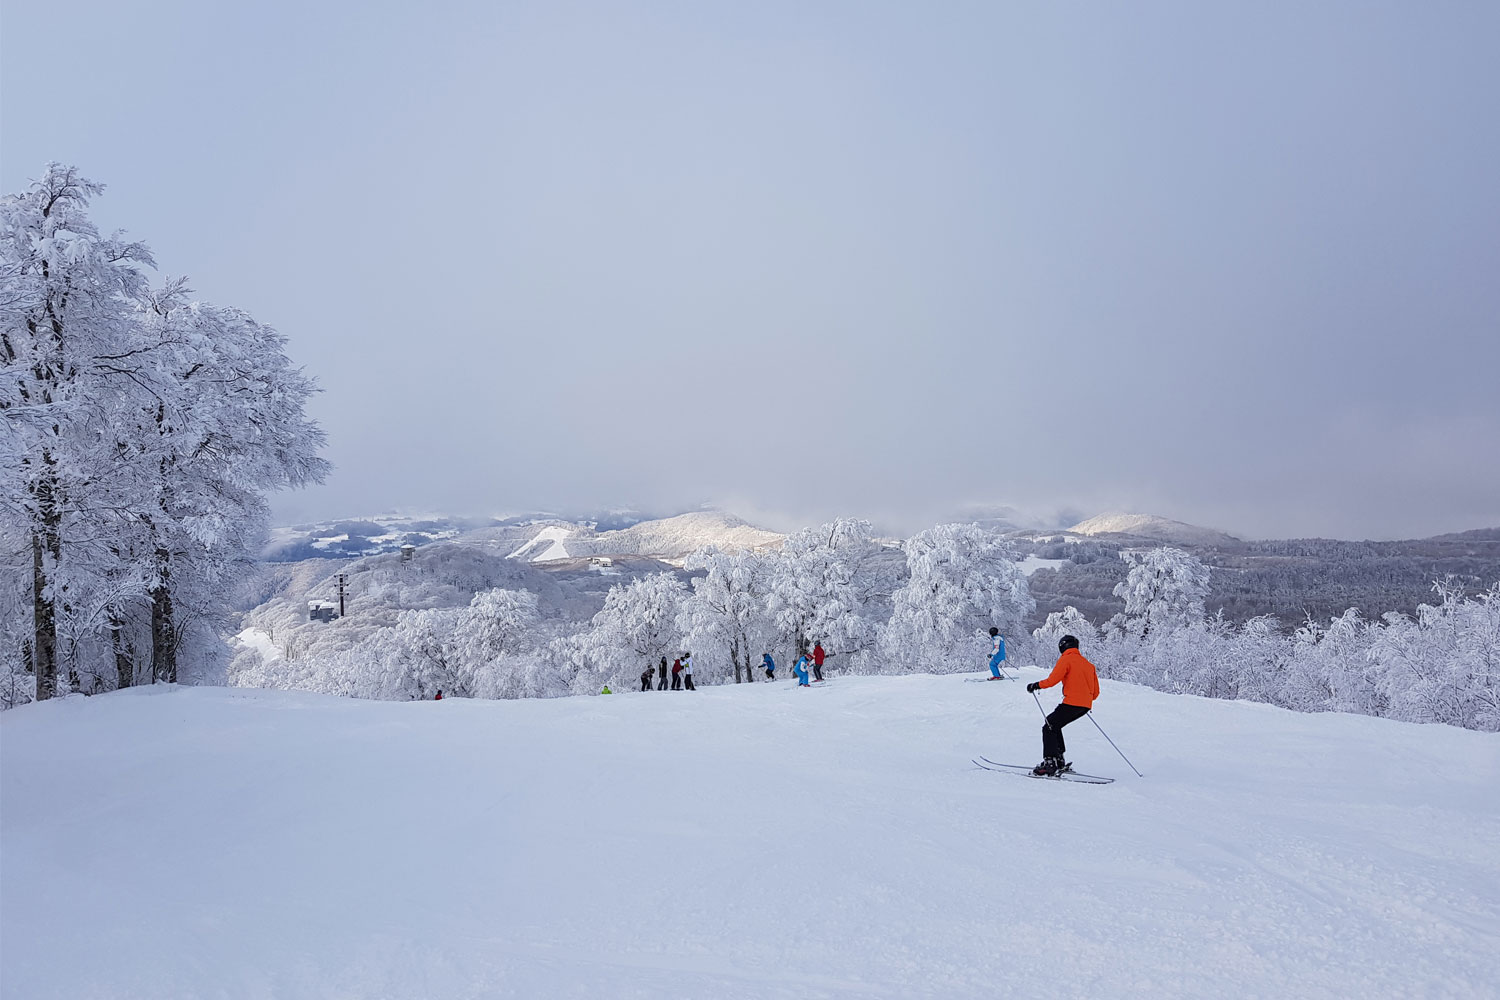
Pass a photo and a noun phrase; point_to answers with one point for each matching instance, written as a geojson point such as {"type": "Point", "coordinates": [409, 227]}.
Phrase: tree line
{"type": "Point", "coordinates": [925, 604]}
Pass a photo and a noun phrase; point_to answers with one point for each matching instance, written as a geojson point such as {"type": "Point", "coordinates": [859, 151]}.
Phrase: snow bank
{"type": "Point", "coordinates": [741, 841]}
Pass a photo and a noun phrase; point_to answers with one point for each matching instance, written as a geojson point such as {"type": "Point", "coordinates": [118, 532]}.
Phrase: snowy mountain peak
{"type": "Point", "coordinates": [669, 539]}
{"type": "Point", "coordinates": [1161, 529]}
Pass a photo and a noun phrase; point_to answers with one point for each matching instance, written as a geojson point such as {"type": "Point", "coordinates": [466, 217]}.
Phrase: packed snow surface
{"type": "Point", "coordinates": [741, 841]}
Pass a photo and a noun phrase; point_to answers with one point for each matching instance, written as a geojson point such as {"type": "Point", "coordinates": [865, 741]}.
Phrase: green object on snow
{"type": "Point", "coordinates": [606, 690]}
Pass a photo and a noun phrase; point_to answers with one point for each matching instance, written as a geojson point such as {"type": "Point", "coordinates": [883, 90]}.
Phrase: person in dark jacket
{"type": "Point", "coordinates": [646, 677]}
{"type": "Point", "coordinates": [663, 685]}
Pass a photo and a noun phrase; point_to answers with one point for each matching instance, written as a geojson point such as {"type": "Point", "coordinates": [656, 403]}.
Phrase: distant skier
{"type": "Point", "coordinates": [800, 669]}
{"type": "Point", "coordinates": [663, 685]}
{"type": "Point", "coordinates": [439, 695]}
{"type": "Point", "coordinates": [997, 654]}
{"type": "Point", "coordinates": [687, 671]}
{"type": "Point", "coordinates": [1080, 687]}
{"type": "Point", "coordinates": [818, 657]}
{"type": "Point", "coordinates": [770, 666]}
{"type": "Point", "coordinates": [677, 674]}
{"type": "Point", "coordinates": [646, 676]}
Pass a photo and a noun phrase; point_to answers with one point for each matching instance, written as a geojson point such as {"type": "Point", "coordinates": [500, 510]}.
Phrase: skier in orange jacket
{"type": "Point", "coordinates": [1080, 684]}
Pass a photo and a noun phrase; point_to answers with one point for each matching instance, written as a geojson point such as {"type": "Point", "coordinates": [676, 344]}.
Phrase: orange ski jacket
{"type": "Point", "coordinates": [1078, 678]}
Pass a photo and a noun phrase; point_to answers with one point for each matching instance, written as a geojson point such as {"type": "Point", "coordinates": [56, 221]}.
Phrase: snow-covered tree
{"type": "Point", "coordinates": [1329, 667]}
{"type": "Point", "coordinates": [725, 619]}
{"type": "Point", "coordinates": [636, 627]}
{"type": "Point", "coordinates": [142, 432]}
{"type": "Point", "coordinates": [963, 580]}
{"type": "Point", "coordinates": [1068, 621]}
{"type": "Point", "coordinates": [1164, 589]}
{"type": "Point", "coordinates": [832, 584]}
{"type": "Point", "coordinates": [226, 424]}
{"type": "Point", "coordinates": [1444, 664]}
{"type": "Point", "coordinates": [66, 327]}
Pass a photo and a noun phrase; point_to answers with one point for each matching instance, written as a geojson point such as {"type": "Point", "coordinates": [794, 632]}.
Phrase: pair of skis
{"type": "Point", "coordinates": [1021, 769]}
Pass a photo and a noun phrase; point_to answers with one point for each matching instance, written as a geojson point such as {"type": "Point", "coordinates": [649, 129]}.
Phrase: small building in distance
{"type": "Point", "coordinates": [408, 553]}
{"type": "Point", "coordinates": [322, 611]}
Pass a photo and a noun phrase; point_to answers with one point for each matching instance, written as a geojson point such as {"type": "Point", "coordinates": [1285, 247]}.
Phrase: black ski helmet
{"type": "Point", "coordinates": [1066, 643]}
{"type": "Point", "coordinates": [994, 630]}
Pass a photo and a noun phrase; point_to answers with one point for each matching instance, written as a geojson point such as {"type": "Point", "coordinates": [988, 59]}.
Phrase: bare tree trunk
{"type": "Point", "coordinates": [44, 646]}
{"type": "Point", "coordinates": [163, 641]}
{"type": "Point", "coordinates": [124, 656]}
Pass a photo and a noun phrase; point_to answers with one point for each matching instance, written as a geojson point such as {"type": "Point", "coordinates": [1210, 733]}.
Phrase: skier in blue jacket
{"type": "Point", "coordinates": [770, 666]}
{"type": "Point", "coordinates": [801, 670]}
{"type": "Point", "coordinates": [997, 653]}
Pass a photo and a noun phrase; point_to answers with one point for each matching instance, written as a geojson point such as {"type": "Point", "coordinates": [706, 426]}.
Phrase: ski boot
{"type": "Point", "coordinates": [1048, 767]}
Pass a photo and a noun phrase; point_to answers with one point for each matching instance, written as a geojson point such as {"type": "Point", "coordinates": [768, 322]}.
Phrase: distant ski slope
{"type": "Point", "coordinates": [742, 841]}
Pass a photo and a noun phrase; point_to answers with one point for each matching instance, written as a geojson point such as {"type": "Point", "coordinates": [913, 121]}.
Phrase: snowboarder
{"type": "Point", "coordinates": [677, 674]}
{"type": "Point", "coordinates": [663, 685]}
{"type": "Point", "coordinates": [818, 657]}
{"type": "Point", "coordinates": [687, 671]}
{"type": "Point", "coordinates": [1080, 687]}
{"type": "Point", "coordinates": [770, 666]}
{"type": "Point", "coordinates": [800, 669]}
{"type": "Point", "coordinates": [997, 653]}
{"type": "Point", "coordinates": [646, 676]}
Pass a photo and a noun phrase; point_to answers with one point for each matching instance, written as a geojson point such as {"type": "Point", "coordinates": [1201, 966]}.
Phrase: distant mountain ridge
{"type": "Point", "coordinates": [1162, 529]}
{"type": "Point", "coordinates": [531, 538]}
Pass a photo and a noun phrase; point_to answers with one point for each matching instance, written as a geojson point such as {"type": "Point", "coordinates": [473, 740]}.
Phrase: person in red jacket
{"type": "Point", "coordinates": [818, 657]}
{"type": "Point", "coordinates": [1080, 684]}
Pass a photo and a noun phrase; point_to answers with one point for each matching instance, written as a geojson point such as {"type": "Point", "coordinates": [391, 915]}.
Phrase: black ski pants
{"type": "Point", "coordinates": [1052, 737]}
{"type": "Point", "coordinates": [687, 682]}
{"type": "Point", "coordinates": [817, 671]}
{"type": "Point", "coordinates": [663, 685]}
{"type": "Point", "coordinates": [676, 682]}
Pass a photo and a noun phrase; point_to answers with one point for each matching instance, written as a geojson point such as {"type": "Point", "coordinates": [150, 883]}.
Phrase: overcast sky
{"type": "Point", "coordinates": [1233, 264]}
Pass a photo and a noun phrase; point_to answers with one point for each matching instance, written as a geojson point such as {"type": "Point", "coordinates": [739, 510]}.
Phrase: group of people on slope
{"type": "Point", "coordinates": [682, 674]}
{"type": "Point", "coordinates": [808, 670]}
{"type": "Point", "coordinates": [808, 662]}
{"type": "Point", "coordinates": [1079, 680]}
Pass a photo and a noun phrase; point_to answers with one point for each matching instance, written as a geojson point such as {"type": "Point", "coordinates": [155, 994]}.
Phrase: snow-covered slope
{"type": "Point", "coordinates": [668, 539]}
{"type": "Point", "coordinates": [738, 842]}
{"type": "Point", "coordinates": [548, 544]}
{"type": "Point", "coordinates": [675, 537]}
{"type": "Point", "coordinates": [1159, 529]}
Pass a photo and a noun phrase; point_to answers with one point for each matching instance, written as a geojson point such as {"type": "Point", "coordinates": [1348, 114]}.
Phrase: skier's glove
{"type": "Point", "coordinates": [1033, 686]}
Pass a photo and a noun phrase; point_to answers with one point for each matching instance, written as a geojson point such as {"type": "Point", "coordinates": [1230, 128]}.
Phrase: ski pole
{"type": "Point", "coordinates": [1112, 743]}
{"type": "Point", "coordinates": [1039, 707]}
